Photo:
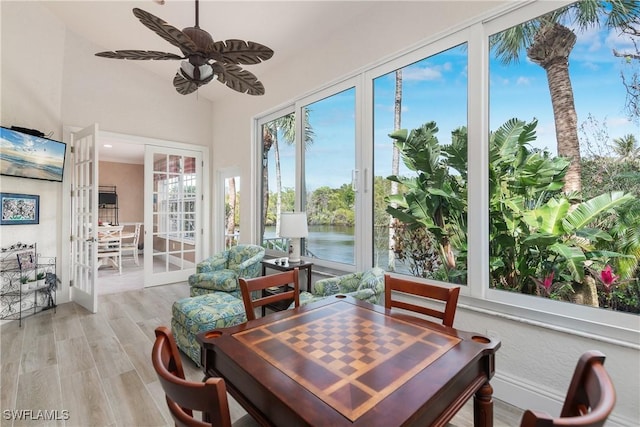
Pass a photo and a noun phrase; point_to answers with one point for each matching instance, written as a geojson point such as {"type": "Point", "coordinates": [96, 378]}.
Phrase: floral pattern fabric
{"type": "Point", "coordinates": [193, 315]}
{"type": "Point", "coordinates": [366, 285]}
{"type": "Point", "coordinates": [221, 271]}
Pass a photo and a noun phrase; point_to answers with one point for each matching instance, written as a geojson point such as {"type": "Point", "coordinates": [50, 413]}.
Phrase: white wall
{"type": "Point", "coordinates": [31, 97]}
{"type": "Point", "coordinates": [50, 79]}
{"type": "Point", "coordinates": [534, 364]}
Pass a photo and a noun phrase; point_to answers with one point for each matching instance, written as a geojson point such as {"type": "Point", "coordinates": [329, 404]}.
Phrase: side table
{"type": "Point", "coordinates": [286, 267]}
{"type": "Point", "coordinates": [302, 265]}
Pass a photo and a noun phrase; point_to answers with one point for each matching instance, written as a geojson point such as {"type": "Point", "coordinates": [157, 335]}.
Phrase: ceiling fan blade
{"type": "Point", "coordinates": [238, 79]}
{"type": "Point", "coordinates": [185, 85]}
{"type": "Point", "coordinates": [138, 55]}
{"type": "Point", "coordinates": [166, 31]}
{"type": "Point", "coordinates": [236, 51]}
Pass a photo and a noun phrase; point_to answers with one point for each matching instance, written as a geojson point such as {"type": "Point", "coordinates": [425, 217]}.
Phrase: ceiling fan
{"type": "Point", "coordinates": [203, 59]}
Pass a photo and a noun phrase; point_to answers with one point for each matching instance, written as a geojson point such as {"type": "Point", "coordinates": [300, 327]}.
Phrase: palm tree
{"type": "Point", "coordinates": [548, 43]}
{"type": "Point", "coordinates": [285, 125]}
{"type": "Point", "coordinates": [395, 162]}
{"type": "Point", "coordinates": [626, 148]}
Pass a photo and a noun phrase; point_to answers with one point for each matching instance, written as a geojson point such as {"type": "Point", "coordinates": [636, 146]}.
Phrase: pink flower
{"type": "Point", "coordinates": [608, 278]}
{"type": "Point", "coordinates": [548, 281]}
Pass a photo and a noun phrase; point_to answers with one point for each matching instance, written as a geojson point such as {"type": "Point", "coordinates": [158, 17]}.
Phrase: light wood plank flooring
{"type": "Point", "coordinates": [97, 366]}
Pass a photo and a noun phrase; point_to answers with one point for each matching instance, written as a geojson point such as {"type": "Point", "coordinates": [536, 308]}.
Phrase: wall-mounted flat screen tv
{"type": "Point", "coordinates": [29, 156]}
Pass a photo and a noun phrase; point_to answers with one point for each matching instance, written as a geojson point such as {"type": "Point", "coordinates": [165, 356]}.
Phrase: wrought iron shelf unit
{"type": "Point", "coordinates": [108, 204]}
{"type": "Point", "coordinates": [27, 282]}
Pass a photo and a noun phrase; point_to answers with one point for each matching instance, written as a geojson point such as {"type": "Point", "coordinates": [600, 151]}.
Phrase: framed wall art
{"type": "Point", "coordinates": [16, 209]}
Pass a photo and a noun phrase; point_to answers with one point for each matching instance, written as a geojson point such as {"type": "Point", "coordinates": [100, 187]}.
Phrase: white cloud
{"type": "Point", "coordinates": [422, 73]}
{"type": "Point", "coordinates": [523, 81]}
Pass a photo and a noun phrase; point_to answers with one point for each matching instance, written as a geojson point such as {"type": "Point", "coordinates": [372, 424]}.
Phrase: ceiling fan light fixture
{"type": "Point", "coordinates": [199, 73]}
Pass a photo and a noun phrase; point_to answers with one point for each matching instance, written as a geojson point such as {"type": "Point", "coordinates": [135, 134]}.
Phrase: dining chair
{"type": "Point", "coordinates": [183, 396]}
{"type": "Point", "coordinates": [427, 292]}
{"type": "Point", "coordinates": [110, 246]}
{"type": "Point", "coordinates": [273, 288]}
{"type": "Point", "coordinates": [132, 246]}
{"type": "Point", "coordinates": [589, 400]}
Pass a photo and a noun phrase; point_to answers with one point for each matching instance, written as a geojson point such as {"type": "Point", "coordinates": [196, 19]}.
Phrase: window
{"type": "Point", "coordinates": [422, 108]}
{"type": "Point", "coordinates": [177, 198]}
{"type": "Point", "coordinates": [563, 197]}
{"type": "Point", "coordinates": [328, 171]}
{"type": "Point", "coordinates": [491, 208]}
{"type": "Point", "coordinates": [277, 180]}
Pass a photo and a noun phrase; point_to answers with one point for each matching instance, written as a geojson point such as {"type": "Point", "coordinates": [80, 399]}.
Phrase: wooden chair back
{"type": "Point", "coordinates": [424, 290]}
{"type": "Point", "coordinates": [184, 397]}
{"type": "Point", "coordinates": [249, 286]}
{"type": "Point", "coordinates": [589, 401]}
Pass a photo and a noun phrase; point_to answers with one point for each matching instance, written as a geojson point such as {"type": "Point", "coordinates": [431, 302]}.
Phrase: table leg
{"type": "Point", "coordinates": [309, 279]}
{"type": "Point", "coordinates": [483, 406]}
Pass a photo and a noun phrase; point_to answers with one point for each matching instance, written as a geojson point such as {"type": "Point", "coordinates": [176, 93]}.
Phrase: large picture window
{"type": "Point", "coordinates": [477, 159]}
{"type": "Point", "coordinates": [563, 194]}
{"type": "Point", "coordinates": [420, 146]}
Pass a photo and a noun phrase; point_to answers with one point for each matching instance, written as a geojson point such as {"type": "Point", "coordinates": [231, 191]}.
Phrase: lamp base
{"type": "Point", "coordinates": [294, 256]}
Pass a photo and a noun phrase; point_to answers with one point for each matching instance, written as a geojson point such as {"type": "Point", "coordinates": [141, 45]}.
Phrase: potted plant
{"type": "Point", "coordinates": [24, 283]}
{"type": "Point", "coordinates": [40, 279]}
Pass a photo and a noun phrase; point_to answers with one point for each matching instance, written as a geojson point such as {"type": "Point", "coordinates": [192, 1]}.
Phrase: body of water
{"type": "Point", "coordinates": [332, 243]}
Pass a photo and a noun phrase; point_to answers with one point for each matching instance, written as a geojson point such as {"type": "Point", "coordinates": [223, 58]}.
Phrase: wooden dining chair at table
{"type": "Point", "coordinates": [395, 285]}
{"type": "Point", "coordinates": [589, 400]}
{"type": "Point", "coordinates": [183, 396]}
{"type": "Point", "coordinates": [249, 288]}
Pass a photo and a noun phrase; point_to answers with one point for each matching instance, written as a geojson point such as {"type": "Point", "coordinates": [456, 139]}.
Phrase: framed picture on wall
{"type": "Point", "coordinates": [17, 209]}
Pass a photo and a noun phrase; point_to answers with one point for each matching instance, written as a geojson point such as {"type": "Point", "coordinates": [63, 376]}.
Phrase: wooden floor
{"type": "Point", "coordinates": [97, 366]}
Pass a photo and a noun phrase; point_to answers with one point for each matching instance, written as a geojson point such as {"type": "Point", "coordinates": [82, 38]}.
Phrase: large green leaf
{"type": "Point", "coordinates": [574, 258]}
{"type": "Point", "coordinates": [588, 211]}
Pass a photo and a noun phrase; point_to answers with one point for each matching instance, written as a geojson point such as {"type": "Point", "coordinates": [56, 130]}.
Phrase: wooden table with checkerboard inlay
{"type": "Point", "coordinates": [343, 362]}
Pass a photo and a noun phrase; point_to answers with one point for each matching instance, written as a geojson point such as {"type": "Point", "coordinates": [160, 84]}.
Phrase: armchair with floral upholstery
{"type": "Point", "coordinates": [365, 285]}
{"type": "Point", "coordinates": [220, 272]}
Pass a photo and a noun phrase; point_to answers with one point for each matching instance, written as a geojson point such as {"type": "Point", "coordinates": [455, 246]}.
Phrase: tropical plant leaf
{"type": "Point", "coordinates": [574, 258]}
{"type": "Point", "coordinates": [588, 211]}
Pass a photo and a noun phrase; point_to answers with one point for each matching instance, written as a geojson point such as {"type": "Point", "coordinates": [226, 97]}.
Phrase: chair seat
{"type": "Point", "coordinates": [209, 311]}
{"type": "Point", "coordinates": [193, 315]}
{"type": "Point", "coordinates": [221, 280]}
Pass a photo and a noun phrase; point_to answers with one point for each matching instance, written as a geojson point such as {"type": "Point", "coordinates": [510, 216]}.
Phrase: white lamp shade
{"type": "Point", "coordinates": [293, 224]}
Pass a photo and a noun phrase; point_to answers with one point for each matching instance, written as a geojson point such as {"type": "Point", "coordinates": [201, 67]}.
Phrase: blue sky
{"type": "Point", "coordinates": [435, 89]}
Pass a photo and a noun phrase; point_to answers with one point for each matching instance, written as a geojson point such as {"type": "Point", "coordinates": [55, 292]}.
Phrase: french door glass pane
{"type": "Point", "coordinates": [174, 193]}
{"type": "Point", "coordinates": [430, 95]}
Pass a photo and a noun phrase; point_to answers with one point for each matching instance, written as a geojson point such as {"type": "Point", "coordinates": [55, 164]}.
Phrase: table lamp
{"type": "Point", "coordinates": [293, 225]}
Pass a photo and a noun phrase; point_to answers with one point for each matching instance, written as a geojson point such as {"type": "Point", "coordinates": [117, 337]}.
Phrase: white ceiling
{"type": "Point", "coordinates": [287, 27]}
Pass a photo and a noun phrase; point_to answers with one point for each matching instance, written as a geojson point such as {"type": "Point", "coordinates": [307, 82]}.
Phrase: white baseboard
{"type": "Point", "coordinates": [525, 395]}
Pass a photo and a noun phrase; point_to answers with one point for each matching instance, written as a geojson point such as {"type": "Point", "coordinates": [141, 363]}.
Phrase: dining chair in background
{"type": "Point", "coordinates": [589, 400]}
{"type": "Point", "coordinates": [183, 396]}
{"type": "Point", "coordinates": [249, 288]}
{"type": "Point", "coordinates": [110, 246]}
{"type": "Point", "coordinates": [394, 286]}
{"type": "Point", "coordinates": [132, 246]}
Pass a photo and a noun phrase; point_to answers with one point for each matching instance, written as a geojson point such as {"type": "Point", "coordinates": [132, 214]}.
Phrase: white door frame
{"type": "Point", "coordinates": [65, 245]}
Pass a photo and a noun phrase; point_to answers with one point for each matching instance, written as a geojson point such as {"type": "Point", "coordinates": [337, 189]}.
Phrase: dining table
{"type": "Point", "coordinates": [345, 362]}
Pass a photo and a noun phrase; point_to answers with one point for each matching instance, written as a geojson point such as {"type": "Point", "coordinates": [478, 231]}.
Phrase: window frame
{"type": "Point", "coordinates": [596, 323]}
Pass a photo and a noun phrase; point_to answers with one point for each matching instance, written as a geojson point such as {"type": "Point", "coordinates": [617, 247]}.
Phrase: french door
{"type": "Point", "coordinates": [173, 214]}
{"type": "Point", "coordinates": [84, 227]}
